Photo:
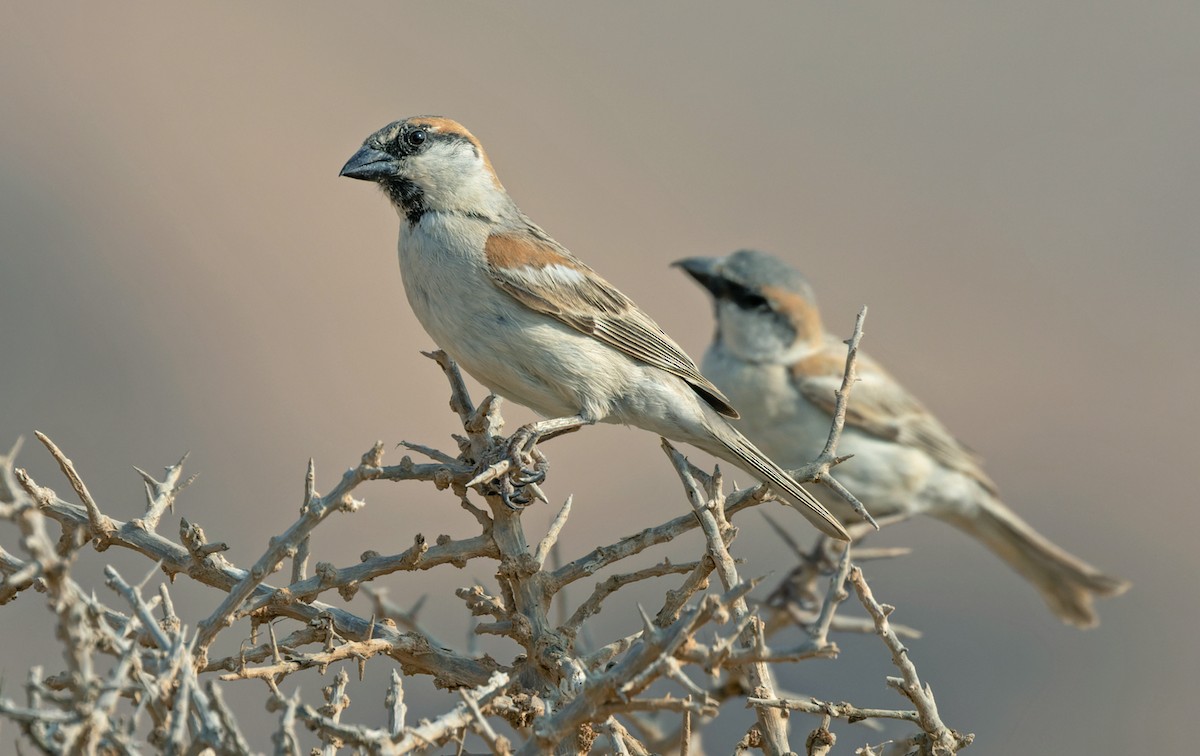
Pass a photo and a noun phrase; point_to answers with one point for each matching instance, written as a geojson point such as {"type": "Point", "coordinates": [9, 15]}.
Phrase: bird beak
{"type": "Point", "coordinates": [370, 164]}
{"type": "Point", "coordinates": [704, 270]}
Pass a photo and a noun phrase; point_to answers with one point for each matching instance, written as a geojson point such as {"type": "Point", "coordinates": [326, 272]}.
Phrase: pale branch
{"type": "Point", "coordinates": [394, 701]}
{"type": "Point", "coordinates": [448, 669]}
{"type": "Point", "coordinates": [444, 727]}
{"type": "Point", "coordinates": [233, 742]}
{"type": "Point", "coordinates": [355, 650]}
{"type": "Point", "coordinates": [556, 696]}
{"type": "Point", "coordinates": [316, 632]}
{"type": "Point", "coordinates": [623, 741]}
{"type": "Point", "coordinates": [300, 558]}
{"type": "Point", "coordinates": [843, 710]}
{"type": "Point", "coordinates": [161, 494]}
{"type": "Point", "coordinates": [821, 740]}
{"type": "Point", "coordinates": [940, 739]}
{"type": "Point", "coordinates": [840, 623]}
{"type": "Point", "coordinates": [286, 741]}
{"type": "Point", "coordinates": [141, 609]}
{"type": "Point", "coordinates": [8, 484]}
{"type": "Point", "coordinates": [707, 501]}
{"type": "Point", "coordinates": [285, 545]}
{"type": "Point", "coordinates": [336, 702]}
{"type": "Point", "coordinates": [547, 543]}
{"type": "Point", "coordinates": [460, 398]}
{"type": "Point", "coordinates": [616, 582]}
{"type": "Point", "coordinates": [360, 736]}
{"type": "Point", "coordinates": [420, 556]}
{"type": "Point", "coordinates": [697, 580]}
{"type": "Point", "coordinates": [819, 469]}
{"type": "Point", "coordinates": [602, 556]}
{"type": "Point", "coordinates": [481, 727]}
{"type": "Point", "coordinates": [100, 526]}
{"type": "Point", "coordinates": [387, 611]}
{"type": "Point", "coordinates": [834, 596]}
{"type": "Point", "coordinates": [19, 575]}
{"type": "Point", "coordinates": [626, 677]}
{"type": "Point", "coordinates": [678, 705]}
{"type": "Point", "coordinates": [435, 454]}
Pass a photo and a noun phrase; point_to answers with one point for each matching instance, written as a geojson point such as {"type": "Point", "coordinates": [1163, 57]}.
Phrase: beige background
{"type": "Point", "coordinates": [1011, 187]}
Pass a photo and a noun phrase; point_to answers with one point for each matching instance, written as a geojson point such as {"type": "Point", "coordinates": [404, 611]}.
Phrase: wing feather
{"type": "Point", "coordinates": [545, 277]}
{"type": "Point", "coordinates": [879, 405]}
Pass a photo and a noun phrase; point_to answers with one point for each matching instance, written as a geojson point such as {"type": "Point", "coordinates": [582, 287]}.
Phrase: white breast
{"type": "Point", "coordinates": [516, 352]}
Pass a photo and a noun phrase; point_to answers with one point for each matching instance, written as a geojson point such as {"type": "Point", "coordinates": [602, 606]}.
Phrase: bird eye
{"type": "Point", "coordinates": [746, 298]}
{"type": "Point", "coordinates": [415, 138]}
{"type": "Point", "coordinates": [754, 302]}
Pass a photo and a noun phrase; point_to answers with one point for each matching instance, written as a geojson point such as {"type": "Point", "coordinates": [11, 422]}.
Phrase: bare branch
{"type": "Point", "coordinates": [665, 677]}
{"type": "Point", "coordinates": [100, 526]}
{"type": "Point", "coordinates": [940, 739]}
{"type": "Point", "coordinates": [819, 469]}
{"type": "Point", "coordinates": [708, 502]}
{"type": "Point", "coordinates": [547, 543]}
{"type": "Point", "coordinates": [160, 495]}
{"type": "Point", "coordinates": [611, 585]}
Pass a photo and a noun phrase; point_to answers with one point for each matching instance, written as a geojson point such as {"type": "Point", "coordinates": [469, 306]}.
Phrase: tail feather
{"type": "Point", "coordinates": [1068, 585]}
{"type": "Point", "coordinates": [737, 449]}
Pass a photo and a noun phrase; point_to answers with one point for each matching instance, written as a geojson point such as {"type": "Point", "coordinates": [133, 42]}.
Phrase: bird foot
{"type": "Point", "coordinates": [523, 465]}
{"type": "Point", "coordinates": [521, 447]}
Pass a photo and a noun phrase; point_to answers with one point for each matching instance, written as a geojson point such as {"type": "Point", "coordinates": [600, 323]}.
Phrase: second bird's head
{"type": "Point", "coordinates": [765, 309]}
{"type": "Point", "coordinates": [429, 164]}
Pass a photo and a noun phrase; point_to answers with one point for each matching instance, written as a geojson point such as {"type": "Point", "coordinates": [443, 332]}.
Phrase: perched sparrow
{"type": "Point", "coordinates": [530, 321]}
{"type": "Point", "coordinates": [776, 363]}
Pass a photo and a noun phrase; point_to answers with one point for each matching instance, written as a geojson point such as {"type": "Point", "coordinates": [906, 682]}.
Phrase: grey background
{"type": "Point", "coordinates": [1011, 187]}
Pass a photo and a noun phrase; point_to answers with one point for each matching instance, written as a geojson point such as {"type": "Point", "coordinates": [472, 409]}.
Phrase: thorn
{"type": "Point", "coordinates": [537, 492]}
{"type": "Point", "coordinates": [491, 473]}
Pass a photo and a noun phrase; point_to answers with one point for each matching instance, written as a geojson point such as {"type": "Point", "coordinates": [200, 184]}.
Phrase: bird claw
{"type": "Point", "coordinates": [515, 498]}
{"type": "Point", "coordinates": [517, 474]}
{"type": "Point", "coordinates": [521, 448]}
{"type": "Point", "coordinates": [523, 476]}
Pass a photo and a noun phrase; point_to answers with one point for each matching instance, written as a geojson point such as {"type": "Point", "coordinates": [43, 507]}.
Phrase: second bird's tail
{"type": "Point", "coordinates": [1067, 584]}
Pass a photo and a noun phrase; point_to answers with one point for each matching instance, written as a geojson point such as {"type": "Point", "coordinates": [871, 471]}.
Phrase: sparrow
{"type": "Point", "coordinates": [532, 322]}
{"type": "Point", "coordinates": [773, 359]}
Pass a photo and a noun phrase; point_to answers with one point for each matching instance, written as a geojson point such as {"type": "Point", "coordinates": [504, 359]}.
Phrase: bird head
{"type": "Point", "coordinates": [765, 309]}
{"type": "Point", "coordinates": [429, 164]}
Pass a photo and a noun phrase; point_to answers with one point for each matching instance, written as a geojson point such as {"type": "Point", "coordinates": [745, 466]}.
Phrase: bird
{"type": "Point", "coordinates": [774, 360]}
{"type": "Point", "coordinates": [533, 323]}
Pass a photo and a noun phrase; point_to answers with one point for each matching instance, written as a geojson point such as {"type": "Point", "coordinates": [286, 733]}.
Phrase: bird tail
{"type": "Point", "coordinates": [737, 449]}
{"type": "Point", "coordinates": [1067, 584]}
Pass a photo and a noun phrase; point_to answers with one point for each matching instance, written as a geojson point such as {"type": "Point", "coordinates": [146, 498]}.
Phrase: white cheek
{"type": "Point", "coordinates": [454, 177]}
{"type": "Point", "coordinates": [754, 336]}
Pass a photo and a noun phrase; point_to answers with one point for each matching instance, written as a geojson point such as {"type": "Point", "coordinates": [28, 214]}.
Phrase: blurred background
{"type": "Point", "coordinates": [1012, 188]}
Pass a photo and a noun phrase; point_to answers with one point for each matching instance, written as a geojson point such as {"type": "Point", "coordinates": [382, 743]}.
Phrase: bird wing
{"type": "Point", "coordinates": [879, 405]}
{"type": "Point", "coordinates": [542, 275]}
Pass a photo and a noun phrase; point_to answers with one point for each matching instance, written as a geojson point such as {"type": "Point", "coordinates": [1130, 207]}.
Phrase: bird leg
{"type": "Point", "coordinates": [521, 445]}
{"type": "Point", "coordinates": [516, 483]}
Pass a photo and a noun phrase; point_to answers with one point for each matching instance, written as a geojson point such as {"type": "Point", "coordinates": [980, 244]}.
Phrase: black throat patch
{"type": "Point", "coordinates": [409, 196]}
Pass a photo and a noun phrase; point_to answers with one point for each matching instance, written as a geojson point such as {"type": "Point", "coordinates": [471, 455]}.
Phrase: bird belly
{"type": "Point", "coordinates": [888, 477]}
{"type": "Point", "coordinates": [523, 355]}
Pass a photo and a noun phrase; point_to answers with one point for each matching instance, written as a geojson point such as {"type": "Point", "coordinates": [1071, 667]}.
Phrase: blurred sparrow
{"type": "Point", "coordinates": [771, 356]}
{"type": "Point", "coordinates": [530, 321]}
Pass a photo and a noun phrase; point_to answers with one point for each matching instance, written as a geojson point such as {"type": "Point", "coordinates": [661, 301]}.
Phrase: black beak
{"type": "Point", "coordinates": [370, 164]}
{"type": "Point", "coordinates": [705, 271]}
